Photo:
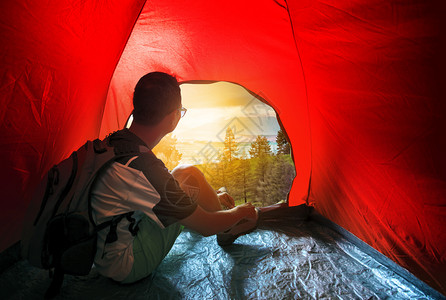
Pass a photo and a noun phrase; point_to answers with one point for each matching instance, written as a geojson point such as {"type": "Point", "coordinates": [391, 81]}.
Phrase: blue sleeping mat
{"type": "Point", "coordinates": [301, 261]}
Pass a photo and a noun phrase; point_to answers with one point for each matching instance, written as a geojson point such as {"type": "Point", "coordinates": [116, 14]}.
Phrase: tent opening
{"type": "Point", "coordinates": [235, 139]}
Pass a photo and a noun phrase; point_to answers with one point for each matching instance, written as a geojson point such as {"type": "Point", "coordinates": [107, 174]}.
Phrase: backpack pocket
{"type": "Point", "coordinates": [70, 244]}
{"type": "Point", "coordinates": [78, 259]}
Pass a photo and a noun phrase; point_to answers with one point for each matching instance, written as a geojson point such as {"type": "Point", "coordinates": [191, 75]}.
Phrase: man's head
{"type": "Point", "coordinates": [156, 95]}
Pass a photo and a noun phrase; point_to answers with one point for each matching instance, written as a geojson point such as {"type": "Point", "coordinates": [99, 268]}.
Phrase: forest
{"type": "Point", "coordinates": [256, 174]}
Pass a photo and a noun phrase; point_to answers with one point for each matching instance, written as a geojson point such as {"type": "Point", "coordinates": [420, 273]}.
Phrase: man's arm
{"type": "Point", "coordinates": [209, 223]}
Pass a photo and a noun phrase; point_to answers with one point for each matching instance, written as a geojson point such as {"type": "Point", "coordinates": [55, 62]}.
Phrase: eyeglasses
{"type": "Point", "coordinates": [183, 111]}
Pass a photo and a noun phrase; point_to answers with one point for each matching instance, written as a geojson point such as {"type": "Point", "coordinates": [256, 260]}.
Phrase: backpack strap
{"type": "Point", "coordinates": [112, 235]}
{"type": "Point", "coordinates": [130, 160]}
{"type": "Point", "coordinates": [53, 178]}
{"type": "Point", "coordinates": [133, 227]}
{"type": "Point", "coordinates": [54, 288]}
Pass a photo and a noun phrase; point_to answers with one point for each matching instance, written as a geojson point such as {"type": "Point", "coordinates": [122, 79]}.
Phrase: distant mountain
{"type": "Point", "coordinates": [245, 129]}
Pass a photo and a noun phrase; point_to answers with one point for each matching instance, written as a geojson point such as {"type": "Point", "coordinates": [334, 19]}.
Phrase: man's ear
{"type": "Point", "coordinates": [173, 120]}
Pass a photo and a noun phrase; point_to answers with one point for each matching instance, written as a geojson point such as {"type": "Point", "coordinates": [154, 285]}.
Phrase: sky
{"type": "Point", "coordinates": [211, 108]}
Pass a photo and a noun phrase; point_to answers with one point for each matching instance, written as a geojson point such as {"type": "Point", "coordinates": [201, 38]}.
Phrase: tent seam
{"type": "Point", "coordinates": [308, 103]}
{"type": "Point", "coordinates": [117, 62]}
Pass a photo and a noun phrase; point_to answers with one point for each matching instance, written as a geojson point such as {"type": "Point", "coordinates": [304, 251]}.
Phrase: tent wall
{"type": "Point", "coordinates": [374, 79]}
{"type": "Point", "coordinates": [56, 61]}
{"type": "Point", "coordinates": [357, 86]}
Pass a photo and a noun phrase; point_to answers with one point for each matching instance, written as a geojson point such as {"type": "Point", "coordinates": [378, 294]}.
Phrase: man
{"type": "Point", "coordinates": [163, 202]}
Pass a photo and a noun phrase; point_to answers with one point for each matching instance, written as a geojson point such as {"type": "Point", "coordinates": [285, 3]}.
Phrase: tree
{"type": "Point", "coordinates": [277, 181]}
{"type": "Point", "coordinates": [260, 147]}
{"type": "Point", "coordinates": [283, 147]}
{"type": "Point", "coordinates": [167, 152]}
{"type": "Point", "coordinates": [245, 178]}
{"type": "Point", "coordinates": [260, 153]}
{"type": "Point", "coordinates": [230, 150]}
{"type": "Point", "coordinates": [234, 179]}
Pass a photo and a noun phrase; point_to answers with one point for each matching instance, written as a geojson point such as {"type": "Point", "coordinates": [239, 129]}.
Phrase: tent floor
{"type": "Point", "coordinates": [306, 262]}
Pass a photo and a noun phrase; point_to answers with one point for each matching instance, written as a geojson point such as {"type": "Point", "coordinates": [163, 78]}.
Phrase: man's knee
{"type": "Point", "coordinates": [193, 183]}
{"type": "Point", "coordinates": [188, 174]}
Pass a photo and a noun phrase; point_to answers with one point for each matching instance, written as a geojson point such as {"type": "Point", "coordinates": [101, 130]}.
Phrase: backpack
{"type": "Point", "coordinates": [61, 234]}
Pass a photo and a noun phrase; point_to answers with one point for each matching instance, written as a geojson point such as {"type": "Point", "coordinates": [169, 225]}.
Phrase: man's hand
{"type": "Point", "coordinates": [226, 200]}
{"type": "Point", "coordinates": [209, 223]}
{"type": "Point", "coordinates": [248, 210]}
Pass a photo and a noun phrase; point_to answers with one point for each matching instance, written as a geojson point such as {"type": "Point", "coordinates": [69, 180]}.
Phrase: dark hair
{"type": "Point", "coordinates": [156, 95]}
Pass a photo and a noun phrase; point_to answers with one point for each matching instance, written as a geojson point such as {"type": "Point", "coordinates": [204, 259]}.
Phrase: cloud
{"type": "Point", "coordinates": [219, 94]}
{"type": "Point", "coordinates": [209, 124]}
{"type": "Point", "coordinates": [213, 107]}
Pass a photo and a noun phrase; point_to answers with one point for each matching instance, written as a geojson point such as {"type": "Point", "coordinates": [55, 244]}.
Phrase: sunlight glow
{"type": "Point", "coordinates": [211, 109]}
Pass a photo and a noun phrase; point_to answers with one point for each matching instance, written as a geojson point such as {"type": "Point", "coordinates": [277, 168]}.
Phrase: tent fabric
{"type": "Point", "coordinates": [56, 64]}
{"type": "Point", "coordinates": [378, 126]}
{"type": "Point", "coordinates": [357, 85]}
{"type": "Point", "coordinates": [302, 261]}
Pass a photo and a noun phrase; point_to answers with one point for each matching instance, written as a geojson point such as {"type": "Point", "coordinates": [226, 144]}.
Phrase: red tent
{"type": "Point", "coordinates": [356, 84]}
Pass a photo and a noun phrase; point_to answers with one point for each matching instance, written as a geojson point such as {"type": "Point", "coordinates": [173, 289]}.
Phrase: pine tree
{"type": "Point", "coordinates": [230, 150]}
{"type": "Point", "coordinates": [277, 181]}
{"type": "Point", "coordinates": [260, 147]}
{"type": "Point", "coordinates": [283, 147]}
{"type": "Point", "coordinates": [260, 152]}
{"type": "Point", "coordinates": [245, 180]}
{"type": "Point", "coordinates": [234, 179]}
